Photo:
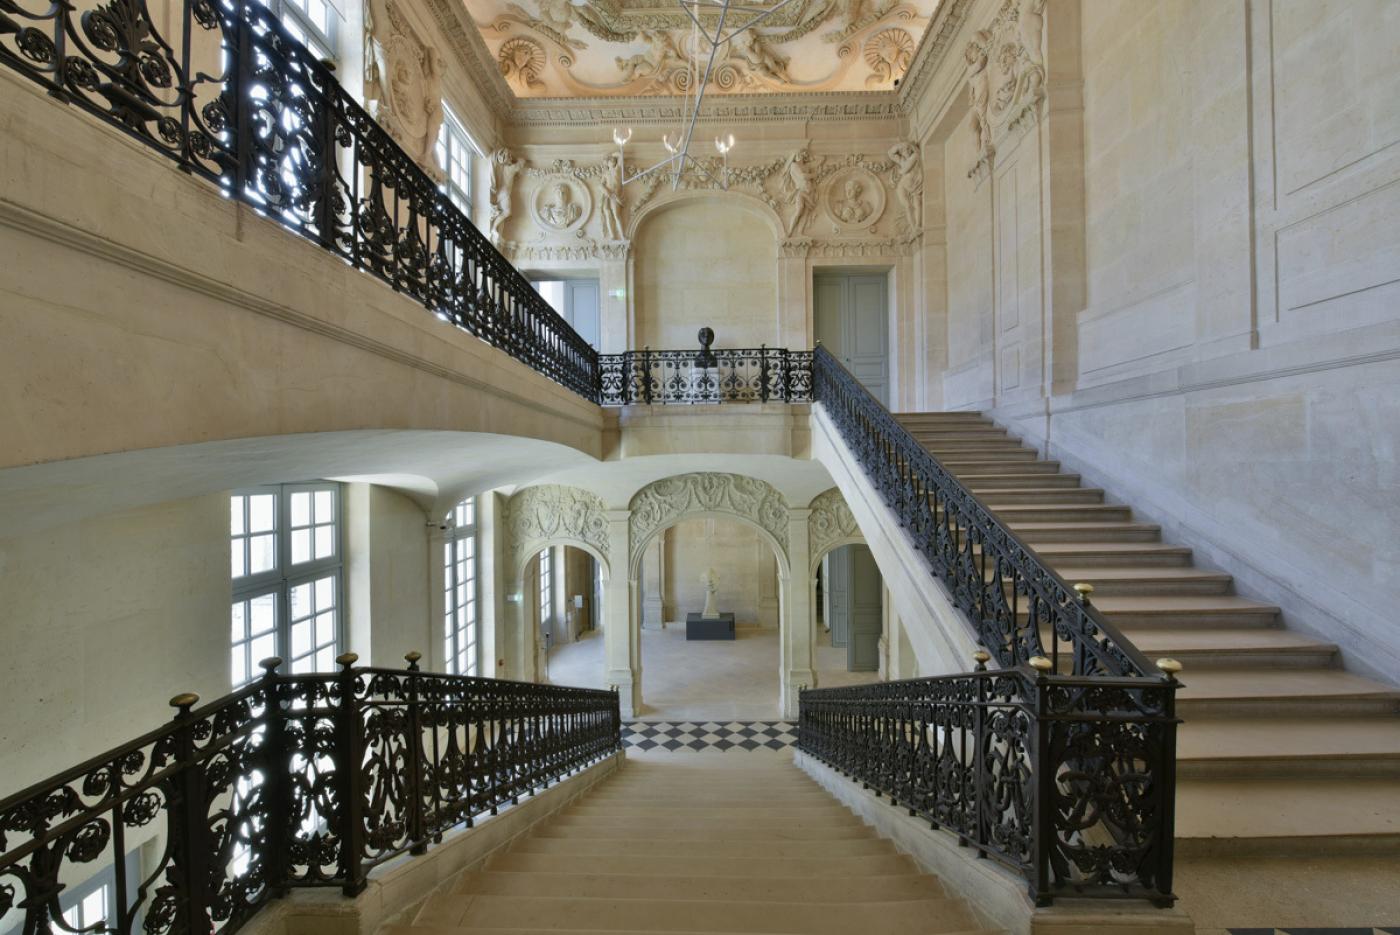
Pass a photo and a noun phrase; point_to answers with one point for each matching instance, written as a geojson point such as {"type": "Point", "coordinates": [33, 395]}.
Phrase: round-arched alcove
{"type": "Point", "coordinates": [678, 247]}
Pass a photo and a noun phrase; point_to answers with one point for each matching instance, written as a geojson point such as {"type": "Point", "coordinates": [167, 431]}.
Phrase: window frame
{"type": "Point", "coordinates": [322, 40]}
{"type": "Point", "coordinates": [453, 135]}
{"type": "Point", "coordinates": [454, 534]}
{"type": "Point", "coordinates": [546, 589]}
{"type": "Point", "coordinates": [284, 577]}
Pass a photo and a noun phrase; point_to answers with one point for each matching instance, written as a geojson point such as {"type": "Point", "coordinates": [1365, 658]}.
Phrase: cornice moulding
{"type": "Point", "coordinates": [728, 108]}
{"type": "Point", "coordinates": [932, 52]}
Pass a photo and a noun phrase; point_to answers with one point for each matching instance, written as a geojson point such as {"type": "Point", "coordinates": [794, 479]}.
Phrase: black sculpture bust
{"type": "Point", "coordinates": [706, 357]}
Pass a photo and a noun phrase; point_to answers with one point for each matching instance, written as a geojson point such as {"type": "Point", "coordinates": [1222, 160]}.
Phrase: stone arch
{"type": "Point", "coordinates": [551, 514]}
{"type": "Point", "coordinates": [740, 199]}
{"type": "Point", "coordinates": [830, 526]}
{"type": "Point", "coordinates": [663, 503]}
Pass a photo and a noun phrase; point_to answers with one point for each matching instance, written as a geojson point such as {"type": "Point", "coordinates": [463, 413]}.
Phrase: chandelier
{"type": "Point", "coordinates": [729, 15]}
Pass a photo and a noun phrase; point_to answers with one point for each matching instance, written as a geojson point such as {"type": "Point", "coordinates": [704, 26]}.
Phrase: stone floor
{"type": "Point", "coordinates": [716, 681]}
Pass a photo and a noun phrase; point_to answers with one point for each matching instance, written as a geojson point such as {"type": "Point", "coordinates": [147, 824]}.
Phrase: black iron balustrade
{"type": "Point", "coordinates": [743, 375]}
{"type": "Point", "coordinates": [232, 98]}
{"type": "Point", "coordinates": [309, 780]}
{"type": "Point", "coordinates": [1020, 606]}
{"type": "Point", "coordinates": [1070, 781]}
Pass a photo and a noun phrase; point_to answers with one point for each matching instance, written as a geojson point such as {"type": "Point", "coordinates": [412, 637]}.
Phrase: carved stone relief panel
{"type": "Point", "coordinates": [831, 522]}
{"type": "Point", "coordinates": [538, 516]}
{"type": "Point", "coordinates": [854, 199]}
{"type": "Point", "coordinates": [403, 81]}
{"type": "Point", "coordinates": [664, 502]}
{"type": "Point", "coordinates": [561, 204]}
{"type": "Point", "coordinates": [1005, 75]}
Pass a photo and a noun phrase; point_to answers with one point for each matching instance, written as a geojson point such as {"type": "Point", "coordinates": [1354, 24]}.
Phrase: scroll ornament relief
{"type": "Point", "coordinates": [831, 522]}
{"type": "Point", "coordinates": [403, 82]}
{"type": "Point", "coordinates": [666, 501]}
{"type": "Point", "coordinates": [1006, 75]}
{"type": "Point", "coordinates": [522, 61]}
{"type": "Point", "coordinates": [537, 516]}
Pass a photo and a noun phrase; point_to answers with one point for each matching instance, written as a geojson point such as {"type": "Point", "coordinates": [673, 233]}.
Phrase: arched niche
{"type": "Point", "coordinates": [663, 503]}
{"type": "Point", "coordinates": [550, 515]}
{"type": "Point", "coordinates": [679, 247]}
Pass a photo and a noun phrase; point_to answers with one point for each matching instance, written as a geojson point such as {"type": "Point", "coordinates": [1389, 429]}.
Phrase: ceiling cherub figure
{"type": "Point", "coordinates": [662, 53]}
{"type": "Point", "coordinates": [557, 14]}
{"type": "Point", "coordinates": [754, 49]}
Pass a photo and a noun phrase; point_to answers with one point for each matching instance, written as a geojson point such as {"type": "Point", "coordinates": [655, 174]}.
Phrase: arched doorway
{"type": "Point", "coordinates": [692, 676]}
{"type": "Point", "coordinates": [563, 586]}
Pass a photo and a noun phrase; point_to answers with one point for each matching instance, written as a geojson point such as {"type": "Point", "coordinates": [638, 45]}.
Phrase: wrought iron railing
{"type": "Point", "coordinates": [1070, 779]}
{"type": "Point", "coordinates": [232, 98]}
{"type": "Point", "coordinates": [745, 375]}
{"type": "Point", "coordinates": [1020, 606]}
{"type": "Point", "coordinates": [309, 780]}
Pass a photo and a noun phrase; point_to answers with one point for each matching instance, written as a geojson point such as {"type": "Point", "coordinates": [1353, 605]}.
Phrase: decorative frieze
{"type": "Point", "coordinates": [665, 502]}
{"type": "Point", "coordinates": [831, 522]}
{"type": "Point", "coordinates": [551, 514]}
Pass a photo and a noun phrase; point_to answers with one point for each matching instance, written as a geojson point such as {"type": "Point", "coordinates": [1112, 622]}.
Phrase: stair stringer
{"type": "Point", "coordinates": [942, 637]}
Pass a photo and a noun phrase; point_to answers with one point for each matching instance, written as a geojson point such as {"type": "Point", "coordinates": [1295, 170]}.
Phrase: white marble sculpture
{"type": "Point", "coordinates": [711, 582]}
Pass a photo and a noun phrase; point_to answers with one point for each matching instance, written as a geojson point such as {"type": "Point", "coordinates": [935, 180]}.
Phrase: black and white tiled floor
{"type": "Point", "coordinates": [738, 736]}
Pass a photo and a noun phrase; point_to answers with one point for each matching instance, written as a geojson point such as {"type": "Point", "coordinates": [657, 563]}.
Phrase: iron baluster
{"type": "Point", "coordinates": [189, 822]}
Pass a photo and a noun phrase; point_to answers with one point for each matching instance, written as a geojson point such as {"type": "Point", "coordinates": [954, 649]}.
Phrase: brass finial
{"type": "Point", "coordinates": [1084, 589]}
{"type": "Point", "coordinates": [981, 657]}
{"type": "Point", "coordinates": [1169, 667]}
{"type": "Point", "coordinates": [270, 664]}
{"type": "Point", "coordinates": [347, 659]}
{"type": "Point", "coordinates": [184, 701]}
{"type": "Point", "coordinates": [412, 657]}
{"type": "Point", "coordinates": [1040, 663]}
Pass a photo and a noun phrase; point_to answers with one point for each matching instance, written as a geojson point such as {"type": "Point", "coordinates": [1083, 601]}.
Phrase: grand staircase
{"type": "Point", "coordinates": [1280, 749]}
{"type": "Point", "coordinates": [698, 842]}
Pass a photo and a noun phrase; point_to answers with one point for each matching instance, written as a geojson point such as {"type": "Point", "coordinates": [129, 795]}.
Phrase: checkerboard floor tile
{"type": "Point", "coordinates": [709, 735]}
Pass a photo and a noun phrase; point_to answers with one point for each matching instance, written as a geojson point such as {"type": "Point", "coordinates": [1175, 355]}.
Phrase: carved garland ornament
{"type": "Point", "coordinates": [831, 521]}
{"type": "Point", "coordinates": [537, 516]}
{"type": "Point", "coordinates": [663, 502]}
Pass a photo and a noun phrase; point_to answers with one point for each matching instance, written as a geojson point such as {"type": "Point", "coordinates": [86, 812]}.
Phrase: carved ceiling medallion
{"type": "Point", "coordinates": [522, 61]}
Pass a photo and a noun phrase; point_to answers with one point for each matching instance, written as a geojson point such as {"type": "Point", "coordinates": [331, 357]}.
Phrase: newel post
{"type": "Point", "coordinates": [189, 821]}
{"type": "Point", "coordinates": [276, 778]}
{"type": "Point", "coordinates": [349, 771]}
{"type": "Point", "coordinates": [417, 831]}
{"type": "Point", "coordinates": [1042, 784]}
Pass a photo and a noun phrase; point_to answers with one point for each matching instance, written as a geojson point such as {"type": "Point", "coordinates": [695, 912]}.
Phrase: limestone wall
{"type": "Point", "coordinates": [1173, 260]}
{"type": "Point", "coordinates": [743, 563]}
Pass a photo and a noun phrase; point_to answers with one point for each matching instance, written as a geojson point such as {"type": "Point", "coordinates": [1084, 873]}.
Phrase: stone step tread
{"type": "Point", "coordinates": [682, 847]}
{"type": "Point", "coordinates": [416, 929]}
{"type": "Point", "coordinates": [1036, 496]}
{"type": "Point", "coordinates": [1033, 483]}
{"type": "Point", "coordinates": [1243, 738]}
{"type": "Point", "coordinates": [1167, 604]}
{"type": "Point", "coordinates": [813, 811]}
{"type": "Point", "coordinates": [1287, 808]}
{"type": "Point", "coordinates": [689, 865]}
{"type": "Point", "coordinates": [590, 913]}
{"type": "Point", "coordinates": [1011, 511]}
{"type": "Point", "coordinates": [1220, 639]}
{"type": "Point", "coordinates": [586, 882]}
{"type": "Point", "coordinates": [813, 832]}
{"type": "Point", "coordinates": [1209, 684]}
{"type": "Point", "coordinates": [982, 466]}
{"type": "Point", "coordinates": [1060, 554]}
{"type": "Point", "coordinates": [1075, 573]}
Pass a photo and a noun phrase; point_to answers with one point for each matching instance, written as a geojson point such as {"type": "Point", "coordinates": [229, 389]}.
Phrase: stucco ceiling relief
{"type": "Point", "coordinates": [596, 48]}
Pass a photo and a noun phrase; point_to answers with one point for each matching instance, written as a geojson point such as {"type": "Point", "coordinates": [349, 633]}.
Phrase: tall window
{"type": "Point", "coordinates": [454, 154]}
{"type": "Point", "coordinates": [287, 566]}
{"type": "Point", "coordinates": [546, 587]}
{"type": "Point", "coordinates": [460, 631]}
{"type": "Point", "coordinates": [313, 23]}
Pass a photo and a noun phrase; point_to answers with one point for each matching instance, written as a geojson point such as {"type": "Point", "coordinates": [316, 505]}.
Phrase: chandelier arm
{"type": "Point", "coordinates": [648, 171]}
{"type": "Point", "coordinates": [700, 92]}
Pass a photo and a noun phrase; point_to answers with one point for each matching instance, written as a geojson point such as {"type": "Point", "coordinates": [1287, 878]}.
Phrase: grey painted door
{"type": "Point", "coordinates": [851, 319]}
{"type": "Point", "coordinates": [581, 307]}
{"type": "Point", "coordinates": [867, 611]}
{"type": "Point", "coordinates": [838, 594]}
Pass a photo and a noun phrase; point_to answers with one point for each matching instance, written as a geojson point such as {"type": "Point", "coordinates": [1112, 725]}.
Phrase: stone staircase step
{"type": "Point", "coordinates": [1283, 693]}
{"type": "Point", "coordinates": [818, 834]}
{"type": "Point", "coordinates": [585, 881]}
{"type": "Point", "coordinates": [668, 846]}
{"type": "Point", "coordinates": [715, 811]}
{"type": "Point", "coordinates": [1127, 582]}
{"type": "Point", "coordinates": [980, 466]}
{"type": "Point", "coordinates": [813, 864]}
{"type": "Point", "coordinates": [475, 930]}
{"type": "Point", "coordinates": [1287, 817]}
{"type": "Point", "coordinates": [1015, 514]}
{"type": "Point", "coordinates": [1201, 648]}
{"type": "Point", "coordinates": [986, 455]}
{"type": "Point", "coordinates": [467, 912]}
{"type": "Point", "coordinates": [1030, 494]}
{"type": "Point", "coordinates": [1293, 747]}
{"type": "Point", "coordinates": [1113, 554]}
{"type": "Point", "coordinates": [978, 483]}
{"type": "Point", "coordinates": [1035, 533]}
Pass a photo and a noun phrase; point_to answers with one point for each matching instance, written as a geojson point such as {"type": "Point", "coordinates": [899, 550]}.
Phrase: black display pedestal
{"type": "Point", "coordinates": [699, 627]}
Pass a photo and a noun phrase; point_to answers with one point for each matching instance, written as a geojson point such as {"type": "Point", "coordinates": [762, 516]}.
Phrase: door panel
{"type": "Point", "coordinates": [581, 302]}
{"type": "Point", "coordinates": [838, 589]}
{"type": "Point", "coordinates": [867, 611]}
{"type": "Point", "coordinates": [828, 314]}
{"type": "Point", "coordinates": [850, 316]}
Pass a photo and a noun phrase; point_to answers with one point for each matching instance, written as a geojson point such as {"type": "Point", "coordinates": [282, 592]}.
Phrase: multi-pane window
{"type": "Point", "coordinates": [313, 23]}
{"type": "Point", "coordinates": [546, 588]}
{"type": "Point", "coordinates": [286, 568]}
{"type": "Point", "coordinates": [90, 910]}
{"type": "Point", "coordinates": [454, 155]}
{"type": "Point", "coordinates": [460, 631]}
